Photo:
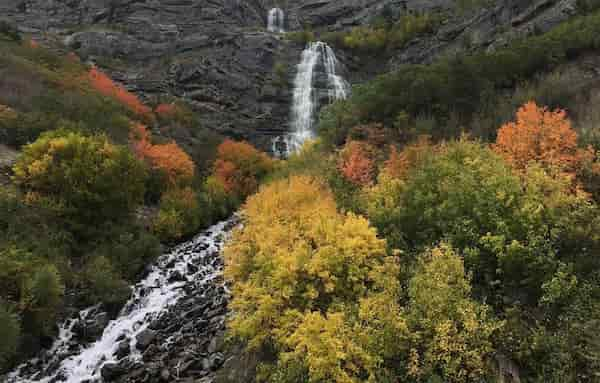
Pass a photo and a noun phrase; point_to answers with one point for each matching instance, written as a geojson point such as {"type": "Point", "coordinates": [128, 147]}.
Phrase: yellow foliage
{"type": "Point", "coordinates": [452, 330]}
{"type": "Point", "coordinates": [297, 258]}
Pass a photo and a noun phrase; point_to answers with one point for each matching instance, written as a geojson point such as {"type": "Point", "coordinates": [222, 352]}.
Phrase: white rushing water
{"type": "Point", "coordinates": [150, 298]}
{"type": "Point", "coordinates": [276, 21]}
{"type": "Point", "coordinates": [318, 57]}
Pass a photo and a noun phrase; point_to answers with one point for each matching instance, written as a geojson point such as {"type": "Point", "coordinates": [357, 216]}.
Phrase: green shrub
{"type": "Point", "coordinates": [383, 36]}
{"type": "Point", "coordinates": [454, 88]}
{"type": "Point", "coordinates": [104, 283]}
{"type": "Point", "coordinates": [129, 249]}
{"type": "Point", "coordinates": [179, 214]}
{"type": "Point", "coordinates": [45, 291]}
{"type": "Point", "coordinates": [10, 330]}
{"type": "Point", "coordinates": [9, 30]}
{"type": "Point", "coordinates": [301, 37]}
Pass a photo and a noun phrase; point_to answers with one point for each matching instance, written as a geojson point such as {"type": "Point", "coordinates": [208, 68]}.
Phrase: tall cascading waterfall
{"type": "Point", "coordinates": [276, 21]}
{"type": "Point", "coordinates": [188, 271]}
{"type": "Point", "coordinates": [318, 57]}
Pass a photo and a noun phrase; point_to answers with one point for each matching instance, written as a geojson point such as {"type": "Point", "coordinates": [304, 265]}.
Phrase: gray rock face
{"type": "Point", "coordinates": [111, 371]}
{"type": "Point", "coordinates": [144, 339]}
{"type": "Point", "coordinates": [217, 55]}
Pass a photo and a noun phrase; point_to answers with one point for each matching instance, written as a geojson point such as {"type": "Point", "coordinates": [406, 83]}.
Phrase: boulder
{"type": "Point", "coordinates": [145, 338]}
{"type": "Point", "coordinates": [110, 371]}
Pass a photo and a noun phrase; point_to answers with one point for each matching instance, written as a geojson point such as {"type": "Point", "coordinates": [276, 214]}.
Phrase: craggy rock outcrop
{"type": "Point", "coordinates": [217, 55]}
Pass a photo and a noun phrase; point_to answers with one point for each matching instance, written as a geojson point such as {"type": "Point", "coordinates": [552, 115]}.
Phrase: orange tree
{"type": "Point", "coordinates": [356, 163]}
{"type": "Point", "coordinates": [239, 167]}
{"type": "Point", "coordinates": [539, 135]}
{"type": "Point", "coordinates": [169, 159]}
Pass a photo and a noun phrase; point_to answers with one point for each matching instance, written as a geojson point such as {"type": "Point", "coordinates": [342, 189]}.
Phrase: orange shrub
{"type": "Point", "coordinates": [356, 163]}
{"type": "Point", "coordinates": [105, 85]}
{"type": "Point", "coordinates": [400, 163]}
{"type": "Point", "coordinates": [169, 158]}
{"type": "Point", "coordinates": [539, 135]}
{"type": "Point", "coordinates": [166, 110]}
{"type": "Point", "coordinates": [239, 167]}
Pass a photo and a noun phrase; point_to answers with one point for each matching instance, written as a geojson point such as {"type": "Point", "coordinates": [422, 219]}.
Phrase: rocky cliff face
{"type": "Point", "coordinates": [218, 56]}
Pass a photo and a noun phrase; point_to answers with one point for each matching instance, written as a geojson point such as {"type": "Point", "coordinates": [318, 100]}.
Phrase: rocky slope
{"type": "Point", "coordinates": [217, 55]}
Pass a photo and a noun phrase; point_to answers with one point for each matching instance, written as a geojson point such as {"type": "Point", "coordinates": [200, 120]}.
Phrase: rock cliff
{"type": "Point", "coordinates": [218, 56]}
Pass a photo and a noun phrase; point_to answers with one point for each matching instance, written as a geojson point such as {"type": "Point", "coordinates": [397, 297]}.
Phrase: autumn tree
{"type": "Point", "coordinates": [356, 163]}
{"type": "Point", "coordinates": [539, 135]}
{"type": "Point", "coordinates": [401, 162]}
{"type": "Point", "coordinates": [452, 332]}
{"type": "Point", "coordinates": [239, 167]}
{"type": "Point", "coordinates": [170, 159]}
{"type": "Point", "coordinates": [82, 177]}
{"type": "Point", "coordinates": [299, 271]}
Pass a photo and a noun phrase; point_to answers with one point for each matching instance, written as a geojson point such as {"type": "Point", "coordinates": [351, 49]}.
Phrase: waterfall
{"type": "Point", "coordinates": [317, 58]}
{"type": "Point", "coordinates": [276, 21]}
{"type": "Point", "coordinates": [187, 270]}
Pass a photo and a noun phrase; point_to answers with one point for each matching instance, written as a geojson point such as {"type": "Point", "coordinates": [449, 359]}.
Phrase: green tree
{"type": "Point", "coordinates": [45, 292]}
{"type": "Point", "coordinates": [10, 330]}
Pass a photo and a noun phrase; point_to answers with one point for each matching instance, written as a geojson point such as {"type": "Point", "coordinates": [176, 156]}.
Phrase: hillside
{"type": "Point", "coordinates": [299, 191]}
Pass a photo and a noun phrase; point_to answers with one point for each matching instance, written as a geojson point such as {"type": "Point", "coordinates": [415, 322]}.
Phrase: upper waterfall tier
{"type": "Point", "coordinates": [276, 21]}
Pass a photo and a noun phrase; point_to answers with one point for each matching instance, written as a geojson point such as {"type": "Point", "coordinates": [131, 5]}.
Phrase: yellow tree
{"type": "Point", "coordinates": [299, 269]}
{"type": "Point", "coordinates": [452, 331]}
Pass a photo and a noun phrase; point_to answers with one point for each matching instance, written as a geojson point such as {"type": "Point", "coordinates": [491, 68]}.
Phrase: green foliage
{"type": "Point", "coordinates": [385, 36]}
{"type": "Point", "coordinates": [179, 214]}
{"type": "Point", "coordinates": [216, 203]}
{"type": "Point", "coordinates": [129, 250]}
{"type": "Point", "coordinates": [304, 36]}
{"type": "Point", "coordinates": [48, 91]}
{"type": "Point", "coordinates": [469, 197]}
{"type": "Point", "coordinates": [10, 331]}
{"type": "Point", "coordinates": [43, 295]}
{"type": "Point", "coordinates": [104, 282]}
{"type": "Point", "coordinates": [587, 6]}
{"type": "Point", "coordinates": [9, 31]}
{"type": "Point", "coordinates": [280, 74]}
{"type": "Point", "coordinates": [453, 88]}
{"type": "Point", "coordinates": [81, 178]}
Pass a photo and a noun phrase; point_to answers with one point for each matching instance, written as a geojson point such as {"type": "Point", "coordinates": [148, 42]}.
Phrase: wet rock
{"type": "Point", "coordinates": [110, 371]}
{"type": "Point", "coordinates": [144, 339]}
{"type": "Point", "coordinates": [176, 276]}
{"type": "Point", "coordinates": [216, 360]}
{"type": "Point", "coordinates": [123, 349]}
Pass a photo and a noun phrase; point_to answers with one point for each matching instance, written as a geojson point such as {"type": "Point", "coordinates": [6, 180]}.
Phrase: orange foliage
{"type": "Point", "coordinates": [356, 163]}
{"type": "Point", "coordinates": [539, 135]}
{"type": "Point", "coordinates": [166, 110]}
{"type": "Point", "coordinates": [401, 162]}
{"type": "Point", "coordinates": [169, 158]}
{"type": "Point", "coordinates": [73, 57]}
{"type": "Point", "coordinates": [33, 44]}
{"type": "Point", "coordinates": [374, 134]}
{"type": "Point", "coordinates": [239, 166]}
{"type": "Point", "coordinates": [105, 85]}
